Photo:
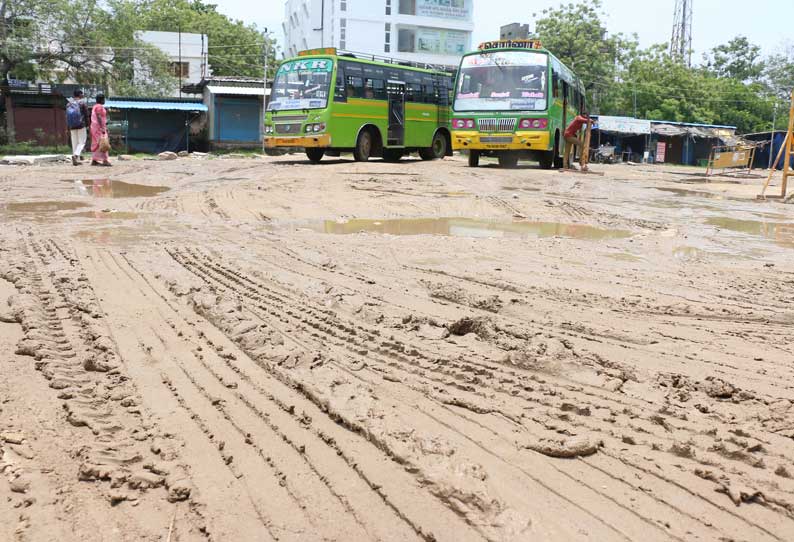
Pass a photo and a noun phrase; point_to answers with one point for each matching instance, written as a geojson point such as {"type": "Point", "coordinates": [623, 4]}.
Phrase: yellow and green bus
{"type": "Point", "coordinates": [326, 102]}
{"type": "Point", "coordinates": [513, 100]}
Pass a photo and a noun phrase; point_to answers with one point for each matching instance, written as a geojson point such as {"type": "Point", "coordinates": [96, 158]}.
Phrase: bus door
{"type": "Point", "coordinates": [565, 105]}
{"type": "Point", "coordinates": [395, 93]}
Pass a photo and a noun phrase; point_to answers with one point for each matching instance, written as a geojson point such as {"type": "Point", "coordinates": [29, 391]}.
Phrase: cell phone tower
{"type": "Point", "coordinates": [681, 42]}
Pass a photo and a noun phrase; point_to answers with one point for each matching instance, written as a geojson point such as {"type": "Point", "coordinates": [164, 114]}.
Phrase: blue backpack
{"type": "Point", "coordinates": [74, 116]}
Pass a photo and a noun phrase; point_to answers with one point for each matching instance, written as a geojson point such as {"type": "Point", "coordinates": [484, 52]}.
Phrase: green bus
{"type": "Point", "coordinates": [513, 100]}
{"type": "Point", "coordinates": [326, 102]}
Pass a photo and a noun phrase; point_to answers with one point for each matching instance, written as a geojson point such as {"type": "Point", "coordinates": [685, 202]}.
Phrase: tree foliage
{"type": "Point", "coordinates": [95, 42]}
{"type": "Point", "coordinates": [734, 86]}
{"type": "Point", "coordinates": [738, 59]}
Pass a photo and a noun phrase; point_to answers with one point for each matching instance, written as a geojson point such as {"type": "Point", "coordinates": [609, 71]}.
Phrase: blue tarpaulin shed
{"type": "Point", "coordinates": [768, 149]}
{"type": "Point", "coordinates": [154, 126]}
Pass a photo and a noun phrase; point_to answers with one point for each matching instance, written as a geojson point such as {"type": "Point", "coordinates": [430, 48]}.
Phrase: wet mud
{"type": "Point", "coordinates": [241, 359]}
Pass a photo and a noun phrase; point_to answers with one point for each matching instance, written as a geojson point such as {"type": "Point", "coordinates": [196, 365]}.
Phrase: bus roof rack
{"type": "Point", "coordinates": [398, 61]}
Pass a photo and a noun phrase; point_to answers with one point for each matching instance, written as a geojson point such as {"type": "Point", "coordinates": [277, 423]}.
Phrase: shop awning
{"type": "Point", "coordinates": [237, 91]}
{"type": "Point", "coordinates": [153, 105]}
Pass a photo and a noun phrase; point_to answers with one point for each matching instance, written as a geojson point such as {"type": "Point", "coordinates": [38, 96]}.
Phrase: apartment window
{"type": "Point", "coordinates": [406, 40]}
{"type": "Point", "coordinates": [179, 69]}
{"type": "Point", "coordinates": [342, 33]}
{"type": "Point", "coordinates": [343, 5]}
{"type": "Point", "coordinates": [387, 39]}
{"type": "Point", "coordinates": [388, 7]}
{"type": "Point", "coordinates": [408, 7]}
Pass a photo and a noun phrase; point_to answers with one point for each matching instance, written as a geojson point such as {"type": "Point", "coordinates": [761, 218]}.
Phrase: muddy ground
{"type": "Point", "coordinates": [262, 349]}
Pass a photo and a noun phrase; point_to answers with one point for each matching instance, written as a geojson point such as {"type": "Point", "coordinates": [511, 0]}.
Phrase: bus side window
{"type": "Point", "coordinates": [340, 94]}
{"type": "Point", "coordinates": [413, 92]}
{"type": "Point", "coordinates": [555, 83]}
{"type": "Point", "coordinates": [378, 89]}
{"type": "Point", "coordinates": [374, 82]}
{"type": "Point", "coordinates": [355, 87]}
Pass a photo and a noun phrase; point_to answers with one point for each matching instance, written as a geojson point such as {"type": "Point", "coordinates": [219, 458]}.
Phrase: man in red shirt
{"type": "Point", "coordinates": [572, 139]}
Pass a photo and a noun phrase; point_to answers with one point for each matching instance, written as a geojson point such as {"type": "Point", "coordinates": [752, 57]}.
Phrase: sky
{"type": "Point", "coordinates": [765, 22]}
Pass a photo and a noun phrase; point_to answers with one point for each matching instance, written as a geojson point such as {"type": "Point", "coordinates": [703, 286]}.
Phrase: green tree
{"type": "Point", "coordinates": [738, 59]}
{"type": "Point", "coordinates": [94, 42]}
{"type": "Point", "coordinates": [57, 40]}
{"type": "Point", "coordinates": [779, 73]}
{"type": "Point", "coordinates": [235, 48]}
{"type": "Point", "coordinates": [578, 36]}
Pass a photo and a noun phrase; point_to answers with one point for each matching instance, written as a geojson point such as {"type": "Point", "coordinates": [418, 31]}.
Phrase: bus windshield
{"type": "Point", "coordinates": [302, 84]}
{"type": "Point", "coordinates": [502, 81]}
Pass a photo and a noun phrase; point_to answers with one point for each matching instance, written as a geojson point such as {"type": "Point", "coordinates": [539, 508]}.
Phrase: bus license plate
{"type": "Point", "coordinates": [496, 139]}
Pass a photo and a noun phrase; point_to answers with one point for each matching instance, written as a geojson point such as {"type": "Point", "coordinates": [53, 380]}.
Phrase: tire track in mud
{"type": "Point", "coordinates": [284, 511]}
{"type": "Point", "coordinates": [367, 282]}
{"type": "Point", "coordinates": [322, 455]}
{"type": "Point", "coordinates": [700, 496]}
{"type": "Point", "coordinates": [608, 336]}
{"type": "Point", "coordinates": [66, 333]}
{"type": "Point", "coordinates": [386, 445]}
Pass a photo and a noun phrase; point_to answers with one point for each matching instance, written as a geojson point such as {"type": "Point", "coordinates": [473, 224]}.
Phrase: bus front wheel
{"type": "Point", "coordinates": [437, 149]}
{"type": "Point", "coordinates": [315, 155]}
{"type": "Point", "coordinates": [363, 148]}
{"type": "Point", "coordinates": [474, 158]}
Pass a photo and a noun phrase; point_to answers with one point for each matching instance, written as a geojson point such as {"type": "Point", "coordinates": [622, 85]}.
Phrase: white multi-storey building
{"type": "Point", "coordinates": [427, 31]}
{"type": "Point", "coordinates": [187, 54]}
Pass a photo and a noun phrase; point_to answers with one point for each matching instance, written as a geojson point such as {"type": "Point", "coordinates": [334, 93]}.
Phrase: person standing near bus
{"type": "Point", "coordinates": [572, 139]}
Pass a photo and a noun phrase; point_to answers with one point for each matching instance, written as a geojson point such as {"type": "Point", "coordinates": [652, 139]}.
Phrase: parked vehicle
{"type": "Point", "coordinates": [513, 100]}
{"type": "Point", "coordinates": [327, 102]}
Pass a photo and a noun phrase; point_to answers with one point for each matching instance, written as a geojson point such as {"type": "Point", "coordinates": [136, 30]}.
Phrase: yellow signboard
{"type": "Point", "coordinates": [739, 157]}
{"type": "Point", "coordinates": [314, 52]}
{"type": "Point", "coordinates": [511, 44]}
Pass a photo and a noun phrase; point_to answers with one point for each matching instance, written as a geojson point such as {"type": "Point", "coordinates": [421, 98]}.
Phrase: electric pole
{"type": "Point", "coordinates": [264, 89]}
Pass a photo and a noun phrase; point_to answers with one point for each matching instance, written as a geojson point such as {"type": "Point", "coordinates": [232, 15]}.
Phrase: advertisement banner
{"type": "Point", "coordinates": [624, 125]}
{"type": "Point", "coordinates": [661, 152]}
{"type": "Point", "coordinates": [444, 9]}
{"type": "Point", "coordinates": [441, 42]}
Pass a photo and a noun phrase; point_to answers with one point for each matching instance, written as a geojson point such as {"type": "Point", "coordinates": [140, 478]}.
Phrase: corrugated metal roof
{"type": "Point", "coordinates": [166, 106]}
{"type": "Point", "coordinates": [237, 91]}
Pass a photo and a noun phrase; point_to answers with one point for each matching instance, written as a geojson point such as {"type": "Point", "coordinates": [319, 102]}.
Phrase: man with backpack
{"type": "Point", "coordinates": [77, 119]}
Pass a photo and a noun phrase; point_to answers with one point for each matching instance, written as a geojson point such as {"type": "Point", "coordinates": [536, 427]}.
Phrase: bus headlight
{"type": "Point", "coordinates": [268, 129]}
{"type": "Point", "coordinates": [533, 124]}
{"type": "Point", "coordinates": [462, 124]}
{"type": "Point", "coordinates": [316, 128]}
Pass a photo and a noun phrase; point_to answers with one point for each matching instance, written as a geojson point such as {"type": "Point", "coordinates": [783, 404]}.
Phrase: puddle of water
{"type": "Point", "coordinates": [105, 188]}
{"type": "Point", "coordinates": [467, 227]}
{"type": "Point", "coordinates": [780, 233]}
{"type": "Point", "coordinates": [683, 192]}
{"type": "Point", "coordinates": [44, 206]}
{"type": "Point", "coordinates": [114, 215]}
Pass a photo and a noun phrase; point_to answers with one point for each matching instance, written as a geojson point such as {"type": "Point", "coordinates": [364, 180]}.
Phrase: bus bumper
{"type": "Point", "coordinates": [519, 141]}
{"type": "Point", "coordinates": [307, 142]}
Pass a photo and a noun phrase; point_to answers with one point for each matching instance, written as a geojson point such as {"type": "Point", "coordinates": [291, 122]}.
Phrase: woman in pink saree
{"type": "Point", "coordinates": [99, 128]}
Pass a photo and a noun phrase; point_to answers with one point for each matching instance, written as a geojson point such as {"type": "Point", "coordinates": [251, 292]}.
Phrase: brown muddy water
{"type": "Point", "coordinates": [466, 227]}
{"type": "Point", "coordinates": [780, 233]}
{"type": "Point", "coordinates": [43, 206]}
{"type": "Point", "coordinates": [106, 188]}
